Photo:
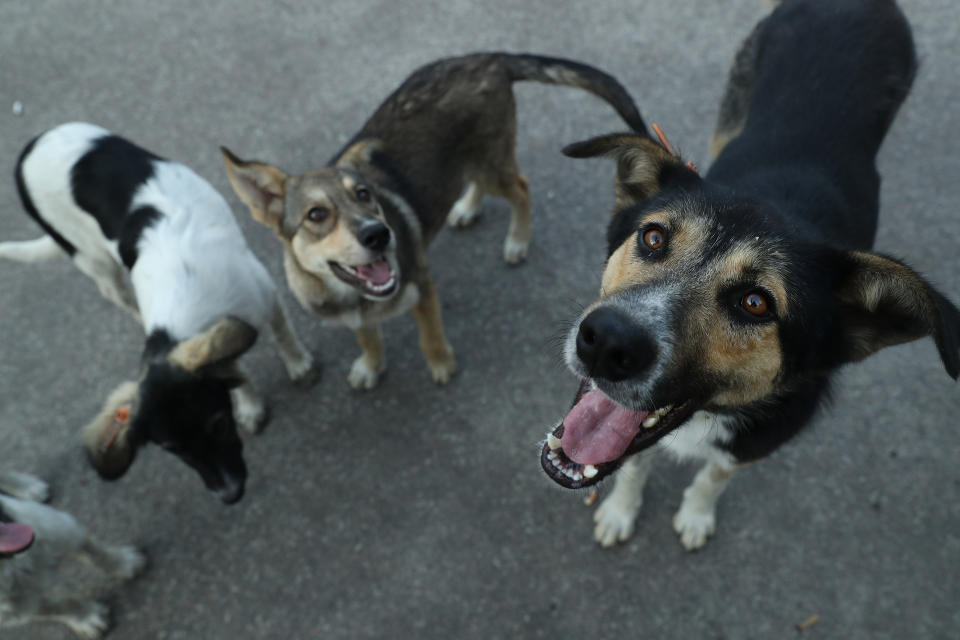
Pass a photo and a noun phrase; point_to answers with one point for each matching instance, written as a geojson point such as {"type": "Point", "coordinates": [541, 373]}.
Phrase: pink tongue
{"type": "Point", "coordinates": [14, 537]}
{"type": "Point", "coordinates": [376, 272]}
{"type": "Point", "coordinates": [599, 430]}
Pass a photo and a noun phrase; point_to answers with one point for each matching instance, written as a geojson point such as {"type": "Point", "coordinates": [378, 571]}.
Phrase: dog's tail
{"type": "Point", "coordinates": [527, 66]}
{"type": "Point", "coordinates": [40, 250]}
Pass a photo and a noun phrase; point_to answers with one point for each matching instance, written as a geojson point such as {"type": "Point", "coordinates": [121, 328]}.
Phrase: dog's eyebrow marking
{"type": "Point", "coordinates": [348, 182]}
{"type": "Point", "coordinates": [744, 258]}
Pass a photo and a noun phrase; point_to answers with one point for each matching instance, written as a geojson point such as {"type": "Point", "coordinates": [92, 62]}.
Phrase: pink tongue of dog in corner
{"type": "Point", "coordinates": [376, 272]}
{"type": "Point", "coordinates": [597, 429]}
{"type": "Point", "coordinates": [14, 537]}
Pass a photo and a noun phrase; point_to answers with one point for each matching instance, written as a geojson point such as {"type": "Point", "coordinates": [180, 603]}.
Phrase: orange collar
{"type": "Point", "coordinates": [669, 147]}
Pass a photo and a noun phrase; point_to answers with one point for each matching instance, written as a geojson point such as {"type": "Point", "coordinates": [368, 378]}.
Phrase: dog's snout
{"type": "Point", "coordinates": [613, 347]}
{"type": "Point", "coordinates": [375, 236]}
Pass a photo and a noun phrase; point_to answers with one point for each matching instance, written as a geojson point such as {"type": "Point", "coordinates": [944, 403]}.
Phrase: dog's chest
{"type": "Point", "coordinates": [699, 437]}
{"type": "Point", "coordinates": [361, 312]}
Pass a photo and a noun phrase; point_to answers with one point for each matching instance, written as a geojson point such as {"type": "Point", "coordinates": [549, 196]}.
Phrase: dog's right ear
{"type": "Point", "coordinates": [224, 342]}
{"type": "Point", "coordinates": [643, 165]}
{"type": "Point", "coordinates": [109, 441]}
{"type": "Point", "coordinates": [260, 186]}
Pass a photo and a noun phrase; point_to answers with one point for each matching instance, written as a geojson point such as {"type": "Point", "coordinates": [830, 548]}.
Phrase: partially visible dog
{"type": "Point", "coordinates": [160, 242]}
{"type": "Point", "coordinates": [728, 300]}
{"type": "Point", "coordinates": [355, 233]}
{"type": "Point", "coordinates": [34, 540]}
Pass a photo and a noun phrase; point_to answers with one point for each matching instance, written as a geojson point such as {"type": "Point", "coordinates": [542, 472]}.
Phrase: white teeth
{"type": "Point", "coordinates": [552, 455]}
{"type": "Point", "coordinates": [651, 421]}
{"type": "Point", "coordinates": [553, 442]}
{"type": "Point", "coordinates": [589, 471]}
{"type": "Point", "coordinates": [577, 476]}
{"type": "Point", "coordinates": [664, 411]}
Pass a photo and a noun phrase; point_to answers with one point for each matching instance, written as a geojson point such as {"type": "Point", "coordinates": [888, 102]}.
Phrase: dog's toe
{"type": "Point", "coordinates": [305, 373]}
{"type": "Point", "coordinates": [131, 562]}
{"type": "Point", "coordinates": [362, 376]}
{"type": "Point", "coordinates": [442, 370]}
{"type": "Point", "coordinates": [27, 487]}
{"type": "Point", "coordinates": [614, 522]}
{"type": "Point", "coordinates": [694, 527]}
{"type": "Point", "coordinates": [252, 417]}
{"type": "Point", "coordinates": [91, 625]}
{"type": "Point", "coordinates": [515, 252]}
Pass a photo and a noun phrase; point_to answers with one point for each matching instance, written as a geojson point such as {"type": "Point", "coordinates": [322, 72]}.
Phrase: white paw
{"type": "Point", "coordinates": [441, 371]}
{"type": "Point", "coordinates": [303, 372]}
{"type": "Point", "coordinates": [130, 562]}
{"type": "Point", "coordinates": [515, 252]}
{"type": "Point", "coordinates": [363, 376]}
{"type": "Point", "coordinates": [92, 625]}
{"type": "Point", "coordinates": [27, 487]}
{"type": "Point", "coordinates": [615, 521]}
{"type": "Point", "coordinates": [251, 415]}
{"type": "Point", "coordinates": [694, 526]}
{"type": "Point", "coordinates": [461, 215]}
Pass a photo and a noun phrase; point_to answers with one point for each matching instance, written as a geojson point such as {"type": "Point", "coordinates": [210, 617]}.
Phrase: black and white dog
{"type": "Point", "coordinates": [34, 540]}
{"type": "Point", "coordinates": [162, 243]}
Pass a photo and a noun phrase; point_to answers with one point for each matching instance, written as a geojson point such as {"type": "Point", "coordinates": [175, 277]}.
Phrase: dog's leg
{"type": "Point", "coordinates": [617, 514]}
{"type": "Point", "coordinates": [366, 369]}
{"type": "Point", "coordinates": [696, 519]}
{"type": "Point", "coordinates": [296, 358]}
{"type": "Point", "coordinates": [465, 210]}
{"type": "Point", "coordinates": [516, 189]}
{"type": "Point", "coordinates": [39, 250]}
{"type": "Point", "coordinates": [433, 342]}
{"type": "Point", "coordinates": [249, 409]}
{"type": "Point", "coordinates": [124, 562]}
{"type": "Point", "coordinates": [24, 486]}
{"type": "Point", "coordinates": [110, 280]}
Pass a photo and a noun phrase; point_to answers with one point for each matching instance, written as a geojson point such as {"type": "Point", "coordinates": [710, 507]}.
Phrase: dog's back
{"type": "Point", "coordinates": [823, 80]}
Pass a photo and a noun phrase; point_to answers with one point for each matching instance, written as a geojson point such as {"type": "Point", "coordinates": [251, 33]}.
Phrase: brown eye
{"type": "Point", "coordinates": [318, 214]}
{"type": "Point", "coordinates": [363, 194]}
{"type": "Point", "coordinates": [654, 238]}
{"type": "Point", "coordinates": [755, 303]}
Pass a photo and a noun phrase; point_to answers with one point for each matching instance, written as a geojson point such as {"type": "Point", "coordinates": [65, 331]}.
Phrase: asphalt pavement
{"type": "Point", "coordinates": [414, 511]}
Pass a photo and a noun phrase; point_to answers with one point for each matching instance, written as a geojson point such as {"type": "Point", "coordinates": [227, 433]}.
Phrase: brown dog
{"type": "Point", "coordinates": [355, 232]}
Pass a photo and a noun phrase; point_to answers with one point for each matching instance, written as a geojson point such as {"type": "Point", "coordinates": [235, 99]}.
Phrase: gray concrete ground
{"type": "Point", "coordinates": [421, 512]}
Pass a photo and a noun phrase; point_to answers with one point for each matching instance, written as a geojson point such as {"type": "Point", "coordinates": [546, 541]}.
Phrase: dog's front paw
{"type": "Point", "coordinates": [25, 486]}
{"type": "Point", "coordinates": [131, 562]}
{"type": "Point", "coordinates": [442, 368]}
{"type": "Point", "coordinates": [92, 624]}
{"type": "Point", "coordinates": [615, 521]}
{"type": "Point", "coordinates": [694, 526]}
{"type": "Point", "coordinates": [251, 415]}
{"type": "Point", "coordinates": [305, 373]}
{"type": "Point", "coordinates": [462, 214]}
{"type": "Point", "coordinates": [363, 376]}
{"type": "Point", "coordinates": [515, 252]}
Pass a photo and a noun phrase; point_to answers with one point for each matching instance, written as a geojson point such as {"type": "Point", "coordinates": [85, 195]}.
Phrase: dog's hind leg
{"type": "Point", "coordinates": [111, 281]}
{"type": "Point", "coordinates": [696, 519]}
{"type": "Point", "coordinates": [516, 190]}
{"type": "Point", "coordinates": [433, 342]}
{"type": "Point", "coordinates": [366, 369]}
{"type": "Point", "coordinates": [616, 516]}
{"type": "Point", "coordinates": [124, 562]}
{"type": "Point", "coordinates": [24, 486]}
{"type": "Point", "coordinates": [465, 210]}
{"type": "Point", "coordinates": [296, 359]}
{"type": "Point", "coordinates": [40, 250]}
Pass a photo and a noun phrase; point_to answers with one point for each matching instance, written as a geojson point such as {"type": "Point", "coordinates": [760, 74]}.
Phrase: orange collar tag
{"type": "Point", "coordinates": [117, 425]}
{"type": "Point", "coordinates": [669, 147]}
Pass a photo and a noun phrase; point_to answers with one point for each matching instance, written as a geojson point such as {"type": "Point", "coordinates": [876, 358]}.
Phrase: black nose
{"type": "Point", "coordinates": [374, 236]}
{"type": "Point", "coordinates": [612, 346]}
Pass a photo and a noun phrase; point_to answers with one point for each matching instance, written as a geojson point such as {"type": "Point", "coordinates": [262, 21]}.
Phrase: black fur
{"type": "Point", "coordinates": [131, 230]}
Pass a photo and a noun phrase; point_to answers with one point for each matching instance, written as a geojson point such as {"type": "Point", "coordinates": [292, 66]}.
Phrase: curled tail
{"type": "Point", "coordinates": [575, 74]}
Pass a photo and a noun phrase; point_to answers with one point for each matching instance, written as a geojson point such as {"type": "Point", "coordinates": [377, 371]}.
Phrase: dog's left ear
{"type": "Point", "coordinates": [643, 165]}
{"type": "Point", "coordinates": [881, 302]}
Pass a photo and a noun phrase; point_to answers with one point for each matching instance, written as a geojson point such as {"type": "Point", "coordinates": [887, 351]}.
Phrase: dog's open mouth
{"type": "Point", "coordinates": [375, 279]}
{"type": "Point", "coordinates": [597, 434]}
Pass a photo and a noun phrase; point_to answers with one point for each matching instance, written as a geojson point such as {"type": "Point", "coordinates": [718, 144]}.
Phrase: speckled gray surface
{"type": "Point", "coordinates": [420, 512]}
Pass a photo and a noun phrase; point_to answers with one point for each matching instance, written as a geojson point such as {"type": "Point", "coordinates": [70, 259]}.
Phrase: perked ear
{"type": "Point", "coordinates": [108, 439]}
{"type": "Point", "coordinates": [225, 341]}
{"type": "Point", "coordinates": [260, 186]}
{"type": "Point", "coordinates": [882, 302]}
{"type": "Point", "coordinates": [641, 163]}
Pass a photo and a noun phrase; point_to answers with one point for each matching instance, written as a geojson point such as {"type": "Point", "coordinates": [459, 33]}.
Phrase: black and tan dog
{"type": "Point", "coordinates": [355, 233]}
{"type": "Point", "coordinates": [727, 300]}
